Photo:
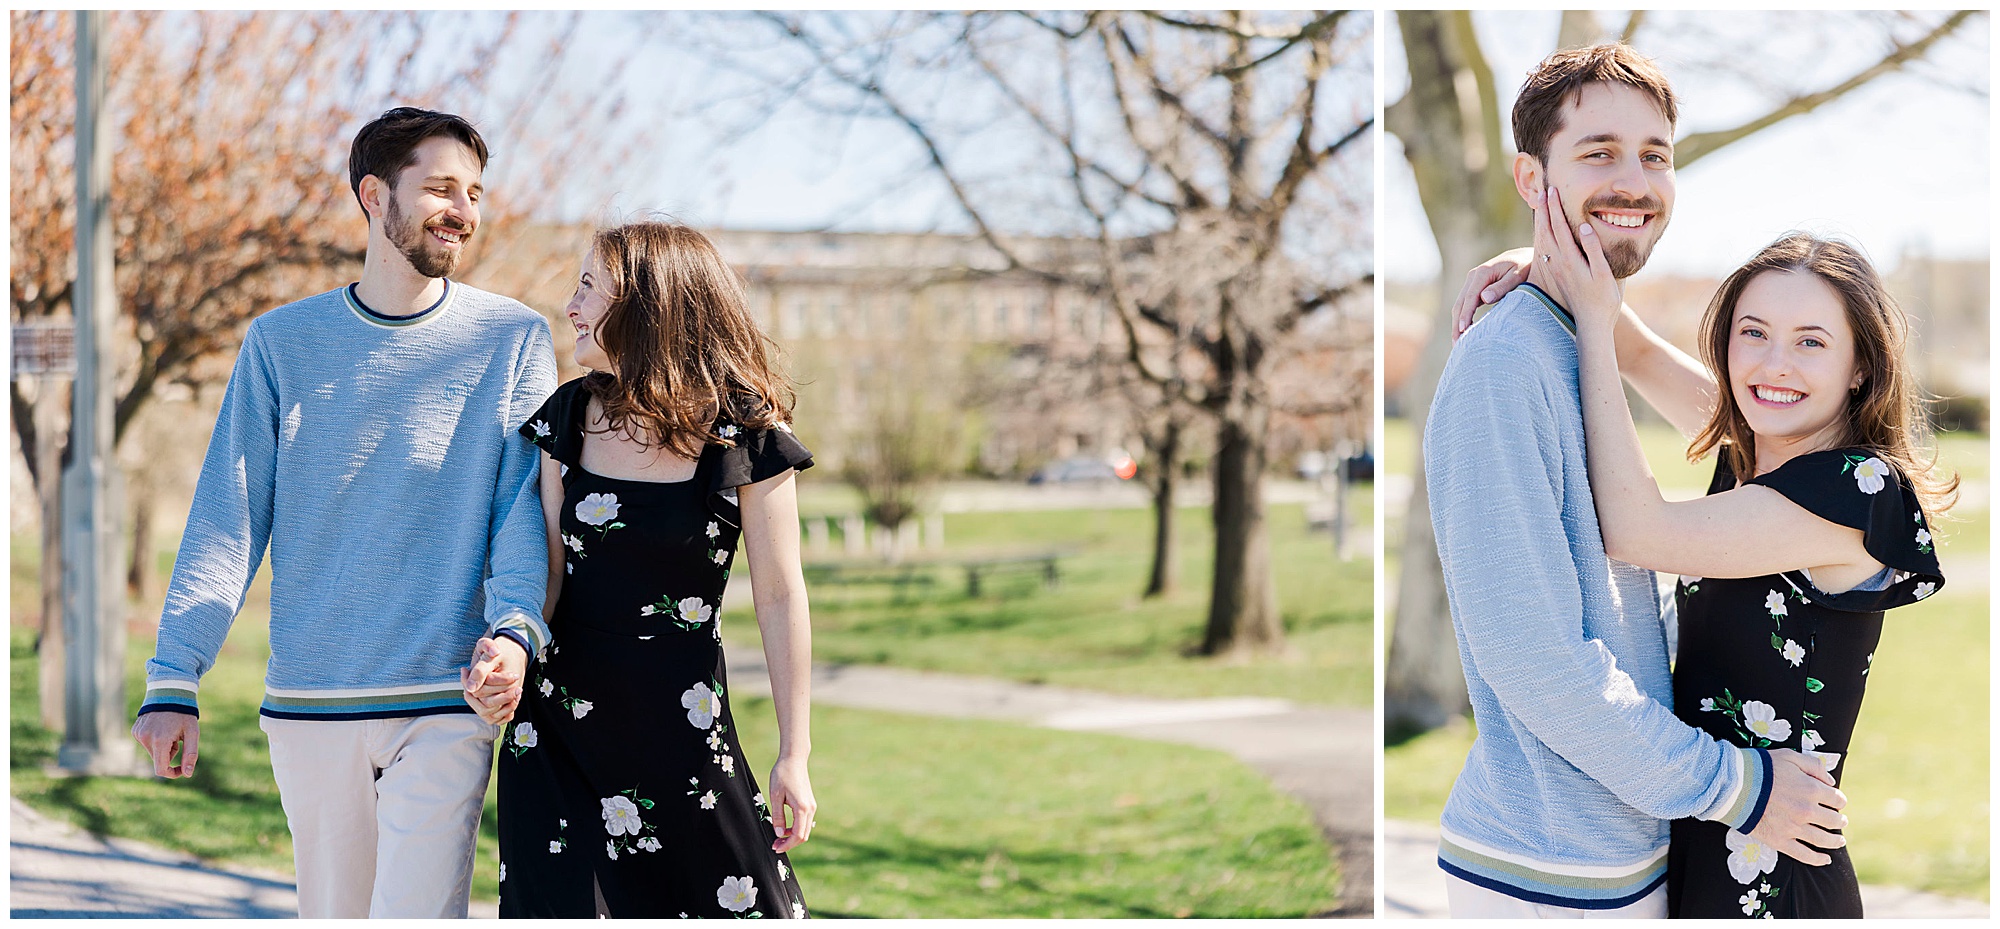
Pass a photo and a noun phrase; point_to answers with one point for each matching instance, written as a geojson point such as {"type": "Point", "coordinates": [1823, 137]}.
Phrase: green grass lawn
{"type": "Point", "coordinates": [1094, 630]}
{"type": "Point", "coordinates": [1917, 774]}
{"type": "Point", "coordinates": [918, 816]}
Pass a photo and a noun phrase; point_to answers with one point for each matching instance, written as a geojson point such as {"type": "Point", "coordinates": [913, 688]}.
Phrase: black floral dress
{"type": "Point", "coordinates": [623, 791]}
{"type": "Point", "coordinates": [1772, 662]}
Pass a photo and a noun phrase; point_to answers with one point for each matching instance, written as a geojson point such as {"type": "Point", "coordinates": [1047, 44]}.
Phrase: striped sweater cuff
{"type": "Point", "coordinates": [169, 695]}
{"type": "Point", "coordinates": [527, 630]}
{"type": "Point", "coordinates": [1744, 808]}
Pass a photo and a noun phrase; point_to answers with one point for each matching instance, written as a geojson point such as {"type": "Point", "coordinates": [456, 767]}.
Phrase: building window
{"type": "Point", "coordinates": [794, 317]}
{"type": "Point", "coordinates": [829, 319]}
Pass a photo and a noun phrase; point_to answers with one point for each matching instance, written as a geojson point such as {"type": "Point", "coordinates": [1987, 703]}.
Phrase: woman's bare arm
{"type": "Point", "coordinates": [778, 587]}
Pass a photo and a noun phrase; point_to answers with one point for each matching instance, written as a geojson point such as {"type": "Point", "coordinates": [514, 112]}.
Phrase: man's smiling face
{"type": "Point", "coordinates": [1613, 161]}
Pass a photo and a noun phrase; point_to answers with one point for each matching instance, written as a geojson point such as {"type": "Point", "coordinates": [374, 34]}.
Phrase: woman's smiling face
{"type": "Point", "coordinates": [586, 310]}
{"type": "Point", "coordinates": [1792, 366]}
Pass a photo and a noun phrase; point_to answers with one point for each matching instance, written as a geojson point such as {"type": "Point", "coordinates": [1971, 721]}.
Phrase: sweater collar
{"type": "Point", "coordinates": [1555, 309]}
{"type": "Point", "coordinates": [370, 316]}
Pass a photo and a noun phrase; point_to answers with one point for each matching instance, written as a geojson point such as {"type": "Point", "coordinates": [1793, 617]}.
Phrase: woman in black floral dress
{"type": "Point", "coordinates": [623, 791]}
{"type": "Point", "coordinates": [1814, 525]}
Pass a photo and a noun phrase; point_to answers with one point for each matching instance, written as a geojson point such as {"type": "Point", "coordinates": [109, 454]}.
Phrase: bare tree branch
{"type": "Point", "coordinates": [1701, 144]}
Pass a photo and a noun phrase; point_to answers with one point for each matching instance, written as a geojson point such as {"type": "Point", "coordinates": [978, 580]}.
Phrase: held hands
{"type": "Point", "coordinates": [791, 790]}
{"type": "Point", "coordinates": [1573, 265]}
{"type": "Point", "coordinates": [164, 734]}
{"type": "Point", "coordinates": [1804, 805]}
{"type": "Point", "coordinates": [493, 680]}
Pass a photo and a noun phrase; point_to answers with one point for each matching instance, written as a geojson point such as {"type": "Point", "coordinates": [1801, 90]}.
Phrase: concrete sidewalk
{"type": "Point", "coordinates": [1321, 756]}
{"type": "Point", "coordinates": [1415, 887]}
{"type": "Point", "coordinates": [56, 870]}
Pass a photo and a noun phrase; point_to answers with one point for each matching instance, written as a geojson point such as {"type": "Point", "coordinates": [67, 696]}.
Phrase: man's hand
{"type": "Point", "coordinates": [1804, 805]}
{"type": "Point", "coordinates": [163, 734]}
{"type": "Point", "coordinates": [493, 681]}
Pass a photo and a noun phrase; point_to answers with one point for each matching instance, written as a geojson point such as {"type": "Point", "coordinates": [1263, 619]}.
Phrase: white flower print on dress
{"type": "Point", "coordinates": [721, 557]}
{"type": "Point", "coordinates": [737, 893]}
{"type": "Point", "coordinates": [713, 529]}
{"type": "Point", "coordinates": [1924, 589]}
{"type": "Point", "coordinates": [503, 870]}
{"type": "Point", "coordinates": [1869, 475]}
{"type": "Point", "coordinates": [524, 736]}
{"type": "Point", "coordinates": [701, 706]}
{"type": "Point", "coordinates": [542, 430]}
{"type": "Point", "coordinates": [611, 850]}
{"type": "Point", "coordinates": [573, 542]}
{"type": "Point", "coordinates": [547, 688]}
{"type": "Point", "coordinates": [694, 612]}
{"type": "Point", "coordinates": [1794, 652]}
{"type": "Point", "coordinates": [784, 873]}
{"type": "Point", "coordinates": [649, 844]}
{"type": "Point", "coordinates": [1749, 901]}
{"type": "Point", "coordinates": [714, 741]}
{"type": "Point", "coordinates": [581, 707]}
{"type": "Point", "coordinates": [556, 847]}
{"type": "Point", "coordinates": [798, 910]}
{"type": "Point", "coordinates": [1748, 857]}
{"type": "Point", "coordinates": [1774, 603]}
{"type": "Point", "coordinates": [729, 765]}
{"type": "Point", "coordinates": [621, 816]}
{"type": "Point", "coordinates": [1708, 704]}
{"type": "Point", "coordinates": [1762, 721]}
{"type": "Point", "coordinates": [708, 800]}
{"type": "Point", "coordinates": [597, 509]}
{"type": "Point", "coordinates": [728, 432]}
{"type": "Point", "coordinates": [1923, 537]}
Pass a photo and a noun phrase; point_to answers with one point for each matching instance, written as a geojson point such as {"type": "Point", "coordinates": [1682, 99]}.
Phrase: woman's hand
{"type": "Point", "coordinates": [791, 790]}
{"type": "Point", "coordinates": [492, 682]}
{"type": "Point", "coordinates": [1574, 264]}
{"type": "Point", "coordinates": [1488, 283]}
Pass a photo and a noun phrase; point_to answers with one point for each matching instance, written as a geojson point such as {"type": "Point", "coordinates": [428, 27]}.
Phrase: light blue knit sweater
{"type": "Point", "coordinates": [1579, 759]}
{"type": "Point", "coordinates": [379, 459]}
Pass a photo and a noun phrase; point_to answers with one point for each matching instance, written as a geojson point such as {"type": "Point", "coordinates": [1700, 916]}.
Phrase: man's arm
{"type": "Point", "coordinates": [228, 528]}
{"type": "Point", "coordinates": [1496, 506]}
{"type": "Point", "coordinates": [518, 559]}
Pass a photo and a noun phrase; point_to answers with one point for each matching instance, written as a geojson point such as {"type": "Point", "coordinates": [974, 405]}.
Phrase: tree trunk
{"type": "Point", "coordinates": [1165, 480]}
{"type": "Point", "coordinates": [139, 575]}
{"type": "Point", "coordinates": [1243, 605]}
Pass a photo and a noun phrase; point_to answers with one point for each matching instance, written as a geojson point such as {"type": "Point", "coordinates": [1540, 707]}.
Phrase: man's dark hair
{"type": "Point", "coordinates": [387, 145]}
{"type": "Point", "coordinates": [1560, 79]}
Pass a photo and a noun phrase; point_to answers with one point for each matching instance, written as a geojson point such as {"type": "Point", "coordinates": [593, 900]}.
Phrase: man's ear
{"type": "Point", "coordinates": [1529, 178]}
{"type": "Point", "coordinates": [374, 195]}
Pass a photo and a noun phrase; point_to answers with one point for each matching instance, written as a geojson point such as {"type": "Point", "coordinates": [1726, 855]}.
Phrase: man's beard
{"type": "Point", "coordinates": [414, 243]}
{"type": "Point", "coordinates": [1624, 256]}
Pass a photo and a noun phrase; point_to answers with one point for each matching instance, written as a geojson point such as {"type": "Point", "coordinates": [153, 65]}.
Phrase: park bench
{"type": "Point", "coordinates": [1045, 563]}
{"type": "Point", "coordinates": [837, 574]}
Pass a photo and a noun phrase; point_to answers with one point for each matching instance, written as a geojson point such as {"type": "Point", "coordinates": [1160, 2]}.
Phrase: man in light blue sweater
{"type": "Point", "coordinates": [1562, 805]}
{"type": "Point", "coordinates": [368, 436]}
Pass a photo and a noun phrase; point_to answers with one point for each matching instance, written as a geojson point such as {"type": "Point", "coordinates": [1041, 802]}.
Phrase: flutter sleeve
{"type": "Point", "coordinates": [1853, 488]}
{"type": "Point", "coordinates": [557, 428]}
{"type": "Point", "coordinates": [757, 455]}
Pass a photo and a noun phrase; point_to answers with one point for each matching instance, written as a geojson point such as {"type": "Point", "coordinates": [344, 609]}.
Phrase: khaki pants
{"type": "Point", "coordinates": [383, 812]}
{"type": "Point", "coordinates": [1471, 901]}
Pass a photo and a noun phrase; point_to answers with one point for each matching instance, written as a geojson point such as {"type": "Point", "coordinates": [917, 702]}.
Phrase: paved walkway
{"type": "Point", "coordinates": [1321, 756]}
{"type": "Point", "coordinates": [1414, 888]}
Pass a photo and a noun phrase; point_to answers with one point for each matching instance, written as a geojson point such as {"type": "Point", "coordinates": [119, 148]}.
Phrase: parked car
{"type": "Point", "coordinates": [1079, 468]}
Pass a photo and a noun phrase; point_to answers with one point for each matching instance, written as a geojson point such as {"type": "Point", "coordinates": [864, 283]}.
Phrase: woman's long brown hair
{"type": "Point", "coordinates": [681, 341]}
{"type": "Point", "coordinates": [1886, 413]}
